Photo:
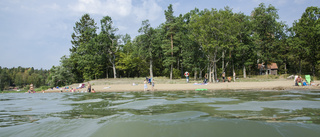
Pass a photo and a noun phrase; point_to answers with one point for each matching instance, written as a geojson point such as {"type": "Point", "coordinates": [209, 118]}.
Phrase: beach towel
{"type": "Point", "coordinates": [308, 79]}
{"type": "Point", "coordinates": [304, 84]}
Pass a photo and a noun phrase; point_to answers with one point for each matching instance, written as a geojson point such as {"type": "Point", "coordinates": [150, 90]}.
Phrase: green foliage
{"type": "Point", "coordinates": [44, 87]}
{"type": "Point", "coordinates": [307, 38]}
{"type": "Point", "coordinates": [265, 28]}
{"type": "Point", "coordinates": [198, 41]}
{"type": "Point", "coordinates": [21, 77]}
{"type": "Point", "coordinates": [27, 87]}
{"type": "Point", "coordinates": [82, 61]}
{"type": "Point", "coordinates": [60, 76]}
{"type": "Point", "coordinates": [176, 73]}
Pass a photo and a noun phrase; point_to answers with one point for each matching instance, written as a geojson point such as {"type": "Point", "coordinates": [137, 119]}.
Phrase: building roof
{"type": "Point", "coordinates": [270, 66]}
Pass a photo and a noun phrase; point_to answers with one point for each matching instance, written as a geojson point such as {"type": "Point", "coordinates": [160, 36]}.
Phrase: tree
{"type": "Point", "coordinates": [244, 52]}
{"type": "Point", "coordinates": [81, 51]}
{"type": "Point", "coordinates": [128, 62]}
{"type": "Point", "coordinates": [193, 54]}
{"type": "Point", "coordinates": [59, 76]}
{"type": "Point", "coordinates": [4, 78]}
{"type": "Point", "coordinates": [283, 47]}
{"type": "Point", "coordinates": [307, 31]}
{"type": "Point", "coordinates": [147, 41]}
{"type": "Point", "coordinates": [110, 41]}
{"type": "Point", "coordinates": [264, 26]}
{"type": "Point", "coordinates": [170, 30]}
{"type": "Point", "coordinates": [19, 77]}
{"type": "Point", "coordinates": [206, 29]}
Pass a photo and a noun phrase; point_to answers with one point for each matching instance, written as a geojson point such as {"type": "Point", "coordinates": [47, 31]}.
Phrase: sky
{"type": "Point", "coordinates": [37, 33]}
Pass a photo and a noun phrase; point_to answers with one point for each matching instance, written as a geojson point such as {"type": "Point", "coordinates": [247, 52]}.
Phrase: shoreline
{"type": "Point", "coordinates": [276, 85]}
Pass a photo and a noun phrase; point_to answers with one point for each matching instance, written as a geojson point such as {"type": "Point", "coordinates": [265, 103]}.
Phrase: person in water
{"type": "Point", "coordinates": [31, 88]}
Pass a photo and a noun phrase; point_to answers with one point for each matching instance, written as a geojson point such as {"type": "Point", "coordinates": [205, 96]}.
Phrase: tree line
{"type": "Point", "coordinates": [201, 41]}
{"type": "Point", "coordinates": [22, 77]}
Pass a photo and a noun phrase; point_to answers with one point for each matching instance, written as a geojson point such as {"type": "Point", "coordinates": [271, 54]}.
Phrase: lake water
{"type": "Point", "coordinates": [162, 114]}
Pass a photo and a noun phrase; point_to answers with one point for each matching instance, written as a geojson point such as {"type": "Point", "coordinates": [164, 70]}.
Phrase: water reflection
{"type": "Point", "coordinates": [183, 107]}
{"type": "Point", "coordinates": [268, 106]}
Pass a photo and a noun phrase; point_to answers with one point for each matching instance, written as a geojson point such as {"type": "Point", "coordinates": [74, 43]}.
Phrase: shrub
{"type": "Point", "coordinates": [44, 87]}
{"type": "Point", "coordinates": [176, 73]}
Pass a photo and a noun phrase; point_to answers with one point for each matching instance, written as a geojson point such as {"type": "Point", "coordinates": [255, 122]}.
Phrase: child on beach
{"type": "Point", "coordinates": [145, 85]}
{"type": "Point", "coordinates": [223, 76]}
{"type": "Point", "coordinates": [152, 84]}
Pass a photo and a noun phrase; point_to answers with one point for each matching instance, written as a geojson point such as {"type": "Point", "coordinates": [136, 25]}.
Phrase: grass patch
{"type": "Point", "coordinates": [259, 78]}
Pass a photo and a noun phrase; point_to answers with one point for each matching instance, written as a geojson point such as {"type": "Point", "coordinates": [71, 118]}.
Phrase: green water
{"type": "Point", "coordinates": [162, 114]}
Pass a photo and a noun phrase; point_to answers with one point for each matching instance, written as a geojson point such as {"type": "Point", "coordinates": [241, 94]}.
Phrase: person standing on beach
{"type": "Point", "coordinates": [187, 76]}
{"type": "Point", "coordinates": [223, 76]}
{"type": "Point", "coordinates": [205, 78]}
{"type": "Point", "coordinates": [152, 84]}
{"type": "Point", "coordinates": [89, 87]}
{"type": "Point", "coordinates": [145, 85]}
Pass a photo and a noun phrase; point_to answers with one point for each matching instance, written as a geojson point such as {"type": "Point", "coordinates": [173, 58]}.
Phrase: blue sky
{"type": "Point", "coordinates": [37, 33]}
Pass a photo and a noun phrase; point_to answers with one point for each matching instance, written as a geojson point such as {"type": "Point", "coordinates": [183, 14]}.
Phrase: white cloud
{"type": "Point", "coordinates": [99, 7]}
{"type": "Point", "coordinates": [273, 2]}
{"type": "Point", "coordinates": [148, 10]}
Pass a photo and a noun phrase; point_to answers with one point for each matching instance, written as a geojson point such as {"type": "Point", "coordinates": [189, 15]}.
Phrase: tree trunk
{"type": "Point", "coordinates": [171, 69]}
{"type": "Point", "coordinates": [313, 70]}
{"type": "Point", "coordinates": [233, 73]}
{"type": "Point", "coordinates": [182, 72]}
{"type": "Point", "coordinates": [222, 61]}
{"type": "Point", "coordinates": [107, 74]}
{"type": "Point", "coordinates": [195, 75]}
{"type": "Point", "coordinates": [114, 66]}
{"type": "Point", "coordinates": [214, 73]}
{"type": "Point", "coordinates": [210, 71]}
{"type": "Point", "coordinates": [151, 72]}
{"type": "Point", "coordinates": [300, 66]}
{"type": "Point", "coordinates": [244, 71]}
{"type": "Point", "coordinates": [171, 72]}
{"type": "Point", "coordinates": [266, 66]}
{"type": "Point", "coordinates": [200, 73]}
{"type": "Point", "coordinates": [114, 70]}
{"type": "Point", "coordinates": [285, 68]}
{"type": "Point", "coordinates": [151, 62]}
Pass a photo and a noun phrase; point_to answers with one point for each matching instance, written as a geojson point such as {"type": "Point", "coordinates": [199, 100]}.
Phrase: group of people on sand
{"type": "Point", "coordinates": [89, 89]}
{"type": "Point", "coordinates": [224, 79]}
{"type": "Point", "coordinates": [299, 81]}
{"type": "Point", "coordinates": [146, 82]}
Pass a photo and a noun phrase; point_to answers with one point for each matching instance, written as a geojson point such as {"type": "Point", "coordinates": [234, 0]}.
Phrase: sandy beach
{"type": "Point", "coordinates": [264, 85]}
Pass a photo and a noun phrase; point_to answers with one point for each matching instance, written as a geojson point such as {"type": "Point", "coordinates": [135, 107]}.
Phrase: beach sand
{"type": "Point", "coordinates": [265, 85]}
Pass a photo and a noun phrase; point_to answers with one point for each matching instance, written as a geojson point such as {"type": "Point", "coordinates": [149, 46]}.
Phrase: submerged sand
{"type": "Point", "coordinates": [265, 85]}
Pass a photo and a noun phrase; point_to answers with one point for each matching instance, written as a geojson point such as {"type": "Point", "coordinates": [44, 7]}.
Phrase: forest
{"type": "Point", "coordinates": [208, 41]}
{"type": "Point", "coordinates": [22, 77]}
